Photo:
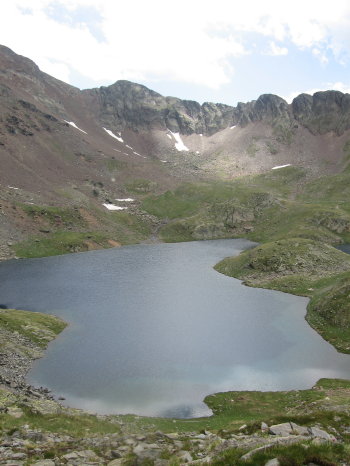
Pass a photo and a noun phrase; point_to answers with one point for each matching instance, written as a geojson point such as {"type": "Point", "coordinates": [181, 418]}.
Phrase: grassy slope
{"type": "Point", "coordinates": [65, 230]}
{"type": "Point", "coordinates": [38, 328]}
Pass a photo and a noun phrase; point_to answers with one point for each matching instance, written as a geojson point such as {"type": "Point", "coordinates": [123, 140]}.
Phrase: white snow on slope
{"type": "Point", "coordinates": [179, 145]}
{"type": "Point", "coordinates": [169, 136]}
{"type": "Point", "coordinates": [113, 207]}
{"type": "Point", "coordinates": [12, 187]}
{"type": "Point", "coordinates": [281, 166]}
{"type": "Point", "coordinates": [75, 126]}
{"type": "Point", "coordinates": [128, 199]}
{"type": "Point", "coordinates": [231, 127]}
{"type": "Point", "coordinates": [120, 139]}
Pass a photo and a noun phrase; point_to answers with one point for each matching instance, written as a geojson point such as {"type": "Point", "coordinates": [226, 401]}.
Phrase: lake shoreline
{"type": "Point", "coordinates": [239, 387]}
{"type": "Point", "coordinates": [18, 353]}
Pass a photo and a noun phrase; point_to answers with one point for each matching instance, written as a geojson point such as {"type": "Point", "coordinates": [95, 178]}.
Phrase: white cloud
{"type": "Point", "coordinates": [190, 42]}
{"type": "Point", "coordinates": [321, 56]}
{"type": "Point", "coordinates": [275, 50]}
{"type": "Point", "coordinates": [337, 86]}
{"type": "Point", "coordinates": [59, 70]}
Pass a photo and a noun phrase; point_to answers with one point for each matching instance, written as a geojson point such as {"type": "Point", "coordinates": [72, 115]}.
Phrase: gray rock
{"type": "Point", "coordinates": [185, 456]}
{"type": "Point", "coordinates": [264, 427]}
{"type": "Point", "coordinates": [283, 430]}
{"type": "Point", "coordinates": [318, 441]}
{"type": "Point", "coordinates": [299, 430]}
{"type": "Point", "coordinates": [317, 432]}
{"type": "Point", "coordinates": [18, 456]}
{"type": "Point", "coordinates": [14, 411]}
{"type": "Point", "coordinates": [116, 462]}
{"type": "Point", "coordinates": [273, 462]}
{"type": "Point", "coordinates": [44, 463]}
{"type": "Point", "coordinates": [139, 448]}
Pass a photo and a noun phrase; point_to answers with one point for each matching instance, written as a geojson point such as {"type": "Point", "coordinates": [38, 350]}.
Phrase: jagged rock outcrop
{"type": "Point", "coordinates": [323, 112]}
{"type": "Point", "coordinates": [128, 105]}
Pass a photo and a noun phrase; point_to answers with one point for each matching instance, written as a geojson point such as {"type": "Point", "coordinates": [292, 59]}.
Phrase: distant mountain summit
{"type": "Point", "coordinates": [53, 134]}
{"type": "Point", "coordinates": [127, 105]}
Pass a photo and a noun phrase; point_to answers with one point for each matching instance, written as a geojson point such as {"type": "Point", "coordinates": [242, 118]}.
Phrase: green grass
{"type": "Point", "coordinates": [61, 242]}
{"type": "Point", "coordinates": [292, 455]}
{"type": "Point", "coordinates": [56, 216]}
{"type": "Point", "coordinates": [79, 425]}
{"type": "Point", "coordinates": [189, 197]}
{"type": "Point", "coordinates": [113, 165]}
{"type": "Point", "coordinates": [39, 328]}
{"type": "Point", "coordinates": [140, 185]}
{"type": "Point", "coordinates": [133, 223]}
{"type": "Point", "coordinates": [298, 257]}
{"type": "Point", "coordinates": [233, 409]}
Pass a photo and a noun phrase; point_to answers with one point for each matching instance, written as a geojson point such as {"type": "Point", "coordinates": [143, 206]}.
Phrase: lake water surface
{"type": "Point", "coordinates": [154, 329]}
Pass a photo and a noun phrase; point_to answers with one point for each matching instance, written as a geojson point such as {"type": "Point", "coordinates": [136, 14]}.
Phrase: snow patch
{"type": "Point", "coordinates": [117, 150]}
{"type": "Point", "coordinates": [231, 127]}
{"type": "Point", "coordinates": [179, 145]}
{"type": "Point", "coordinates": [128, 146]}
{"type": "Point", "coordinates": [12, 187]}
{"type": "Point", "coordinates": [128, 199]}
{"type": "Point", "coordinates": [113, 207]}
{"type": "Point", "coordinates": [201, 134]}
{"type": "Point", "coordinates": [281, 166]}
{"type": "Point", "coordinates": [120, 139]}
{"type": "Point", "coordinates": [169, 136]}
{"type": "Point", "coordinates": [136, 153]}
{"type": "Point", "coordinates": [164, 161]}
{"type": "Point", "coordinates": [197, 151]}
{"type": "Point", "coordinates": [75, 126]}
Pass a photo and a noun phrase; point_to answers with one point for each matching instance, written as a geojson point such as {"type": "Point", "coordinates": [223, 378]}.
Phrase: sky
{"type": "Point", "coordinates": [224, 51]}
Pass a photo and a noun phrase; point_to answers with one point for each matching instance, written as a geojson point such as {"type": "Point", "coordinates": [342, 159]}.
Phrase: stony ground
{"type": "Point", "coordinates": [32, 446]}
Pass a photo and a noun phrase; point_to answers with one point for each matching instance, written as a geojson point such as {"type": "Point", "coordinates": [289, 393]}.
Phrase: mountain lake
{"type": "Point", "coordinates": [153, 329]}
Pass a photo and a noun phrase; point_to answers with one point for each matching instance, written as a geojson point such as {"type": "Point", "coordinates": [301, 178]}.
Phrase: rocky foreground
{"type": "Point", "coordinates": [33, 446]}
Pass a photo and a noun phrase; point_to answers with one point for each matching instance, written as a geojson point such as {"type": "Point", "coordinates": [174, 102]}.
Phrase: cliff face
{"type": "Point", "coordinates": [128, 105]}
{"type": "Point", "coordinates": [323, 112]}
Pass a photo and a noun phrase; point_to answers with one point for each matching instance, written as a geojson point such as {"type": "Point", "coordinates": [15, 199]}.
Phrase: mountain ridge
{"type": "Point", "coordinates": [188, 116]}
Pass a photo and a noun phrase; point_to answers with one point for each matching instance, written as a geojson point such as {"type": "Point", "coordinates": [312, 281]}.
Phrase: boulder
{"type": "Point", "coordinates": [273, 462]}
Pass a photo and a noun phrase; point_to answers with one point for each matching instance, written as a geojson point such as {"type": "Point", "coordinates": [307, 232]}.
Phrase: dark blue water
{"type": "Point", "coordinates": [344, 248]}
{"type": "Point", "coordinates": [154, 328]}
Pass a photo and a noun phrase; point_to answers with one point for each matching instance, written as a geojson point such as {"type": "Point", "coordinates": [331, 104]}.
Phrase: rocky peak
{"type": "Point", "coordinates": [10, 62]}
{"type": "Point", "coordinates": [270, 107]}
{"type": "Point", "coordinates": [323, 112]}
{"type": "Point", "coordinates": [125, 104]}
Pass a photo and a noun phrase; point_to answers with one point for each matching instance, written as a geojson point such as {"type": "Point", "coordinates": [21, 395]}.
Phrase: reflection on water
{"type": "Point", "coordinates": [154, 329]}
